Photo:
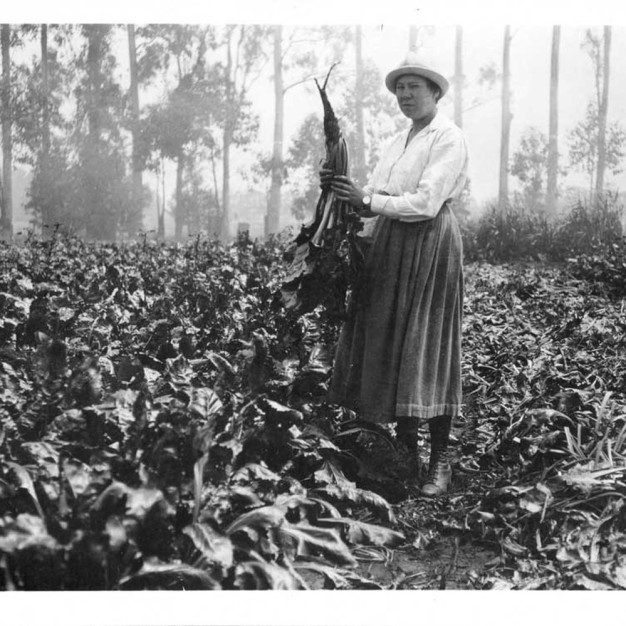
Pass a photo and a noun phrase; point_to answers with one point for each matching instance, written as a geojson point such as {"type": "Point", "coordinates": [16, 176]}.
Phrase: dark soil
{"type": "Point", "coordinates": [440, 552]}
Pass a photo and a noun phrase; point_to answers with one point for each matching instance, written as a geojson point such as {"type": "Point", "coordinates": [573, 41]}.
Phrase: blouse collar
{"type": "Point", "coordinates": [434, 124]}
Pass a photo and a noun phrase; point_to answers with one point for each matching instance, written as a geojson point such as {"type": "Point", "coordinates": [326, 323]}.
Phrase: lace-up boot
{"type": "Point", "coordinates": [439, 470]}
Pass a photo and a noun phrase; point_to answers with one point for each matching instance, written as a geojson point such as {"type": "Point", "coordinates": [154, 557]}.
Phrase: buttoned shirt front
{"type": "Point", "coordinates": [413, 180]}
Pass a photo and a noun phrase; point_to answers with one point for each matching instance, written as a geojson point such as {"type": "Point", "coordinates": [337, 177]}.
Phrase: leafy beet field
{"type": "Point", "coordinates": [163, 425]}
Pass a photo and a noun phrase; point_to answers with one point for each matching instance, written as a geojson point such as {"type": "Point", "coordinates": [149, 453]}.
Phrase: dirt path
{"type": "Point", "coordinates": [444, 564]}
{"type": "Point", "coordinates": [440, 552]}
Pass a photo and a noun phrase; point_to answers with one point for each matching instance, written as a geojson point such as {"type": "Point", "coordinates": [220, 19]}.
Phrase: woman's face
{"type": "Point", "coordinates": [415, 97]}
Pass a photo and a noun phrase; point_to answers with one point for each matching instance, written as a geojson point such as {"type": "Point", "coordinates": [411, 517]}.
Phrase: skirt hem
{"type": "Point", "coordinates": [402, 410]}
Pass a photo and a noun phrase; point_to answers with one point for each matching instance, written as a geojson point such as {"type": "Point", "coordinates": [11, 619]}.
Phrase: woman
{"type": "Point", "coordinates": [399, 357]}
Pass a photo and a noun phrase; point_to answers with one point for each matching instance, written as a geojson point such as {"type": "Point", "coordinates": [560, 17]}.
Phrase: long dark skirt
{"type": "Point", "coordinates": [400, 353]}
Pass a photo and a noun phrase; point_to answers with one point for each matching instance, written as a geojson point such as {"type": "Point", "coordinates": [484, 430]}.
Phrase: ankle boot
{"type": "Point", "coordinates": [439, 470]}
{"type": "Point", "coordinates": [406, 433]}
{"type": "Point", "coordinates": [439, 476]}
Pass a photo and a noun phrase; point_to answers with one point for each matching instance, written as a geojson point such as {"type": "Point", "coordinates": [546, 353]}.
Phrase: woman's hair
{"type": "Point", "coordinates": [434, 88]}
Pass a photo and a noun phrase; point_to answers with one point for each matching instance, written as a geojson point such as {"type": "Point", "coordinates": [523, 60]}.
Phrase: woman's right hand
{"type": "Point", "coordinates": [326, 177]}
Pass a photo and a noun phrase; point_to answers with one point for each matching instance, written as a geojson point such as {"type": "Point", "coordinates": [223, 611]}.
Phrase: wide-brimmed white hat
{"type": "Point", "coordinates": [411, 65]}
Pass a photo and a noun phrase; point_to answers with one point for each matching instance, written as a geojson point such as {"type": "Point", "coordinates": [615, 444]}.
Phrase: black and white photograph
{"type": "Point", "coordinates": [305, 297]}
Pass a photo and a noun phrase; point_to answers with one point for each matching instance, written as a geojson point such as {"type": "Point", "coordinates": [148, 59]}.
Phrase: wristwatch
{"type": "Point", "coordinates": [367, 200]}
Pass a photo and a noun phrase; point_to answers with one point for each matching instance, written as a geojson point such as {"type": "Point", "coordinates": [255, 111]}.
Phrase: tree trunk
{"type": "Point", "coordinates": [214, 223]}
{"type": "Point", "coordinates": [133, 222]}
{"type": "Point", "coordinates": [503, 193]}
{"type": "Point", "coordinates": [227, 141]}
{"type": "Point", "coordinates": [272, 224]}
{"type": "Point", "coordinates": [7, 140]}
{"type": "Point", "coordinates": [603, 112]}
{"type": "Point", "coordinates": [359, 157]}
{"type": "Point", "coordinates": [179, 217]}
{"type": "Point", "coordinates": [44, 161]}
{"type": "Point", "coordinates": [225, 224]}
{"type": "Point", "coordinates": [553, 147]}
{"type": "Point", "coordinates": [458, 77]}
{"type": "Point", "coordinates": [101, 214]}
{"type": "Point", "coordinates": [160, 200]}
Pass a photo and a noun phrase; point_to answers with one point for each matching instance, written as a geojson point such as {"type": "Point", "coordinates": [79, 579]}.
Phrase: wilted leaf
{"type": "Point", "coordinates": [618, 573]}
{"type": "Point", "coordinates": [366, 534]}
{"type": "Point", "coordinates": [311, 540]}
{"type": "Point", "coordinates": [252, 575]}
{"type": "Point", "coordinates": [586, 479]}
{"type": "Point", "coordinates": [536, 500]}
{"type": "Point", "coordinates": [512, 547]}
{"type": "Point", "coordinates": [334, 577]}
{"type": "Point", "coordinates": [340, 488]}
{"type": "Point", "coordinates": [213, 546]}
{"type": "Point", "coordinates": [593, 585]}
{"type": "Point", "coordinates": [170, 578]}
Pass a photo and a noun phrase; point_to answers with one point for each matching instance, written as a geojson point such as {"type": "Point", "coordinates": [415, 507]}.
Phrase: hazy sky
{"type": "Point", "coordinates": [530, 75]}
{"type": "Point", "coordinates": [385, 40]}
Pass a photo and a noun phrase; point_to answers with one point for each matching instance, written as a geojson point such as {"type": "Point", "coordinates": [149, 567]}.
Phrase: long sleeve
{"type": "Point", "coordinates": [418, 179]}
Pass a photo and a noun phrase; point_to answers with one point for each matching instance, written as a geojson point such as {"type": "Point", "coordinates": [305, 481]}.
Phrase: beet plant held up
{"type": "Point", "coordinates": [327, 255]}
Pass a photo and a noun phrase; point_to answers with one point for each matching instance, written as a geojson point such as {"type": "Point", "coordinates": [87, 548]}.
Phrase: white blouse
{"type": "Point", "coordinates": [411, 182]}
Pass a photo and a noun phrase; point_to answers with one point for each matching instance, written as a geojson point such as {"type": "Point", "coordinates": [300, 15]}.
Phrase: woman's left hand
{"type": "Point", "coordinates": [348, 191]}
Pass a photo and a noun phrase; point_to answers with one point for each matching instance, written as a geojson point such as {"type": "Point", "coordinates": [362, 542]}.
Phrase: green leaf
{"type": "Point", "coordinates": [78, 475]}
{"type": "Point", "coordinates": [245, 497]}
{"type": "Point", "coordinates": [141, 500]}
{"type": "Point", "coordinates": [24, 530]}
{"type": "Point", "coordinates": [112, 499]}
{"type": "Point", "coordinates": [261, 518]}
{"type": "Point", "coordinates": [20, 478]}
{"type": "Point", "coordinates": [335, 578]}
{"type": "Point", "coordinates": [116, 531]}
{"type": "Point", "coordinates": [220, 363]}
{"type": "Point", "coordinates": [121, 499]}
{"type": "Point", "coordinates": [255, 471]}
{"type": "Point", "coordinates": [41, 452]}
{"type": "Point", "coordinates": [278, 415]}
{"type": "Point", "coordinates": [205, 403]}
{"type": "Point", "coordinates": [198, 476]}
